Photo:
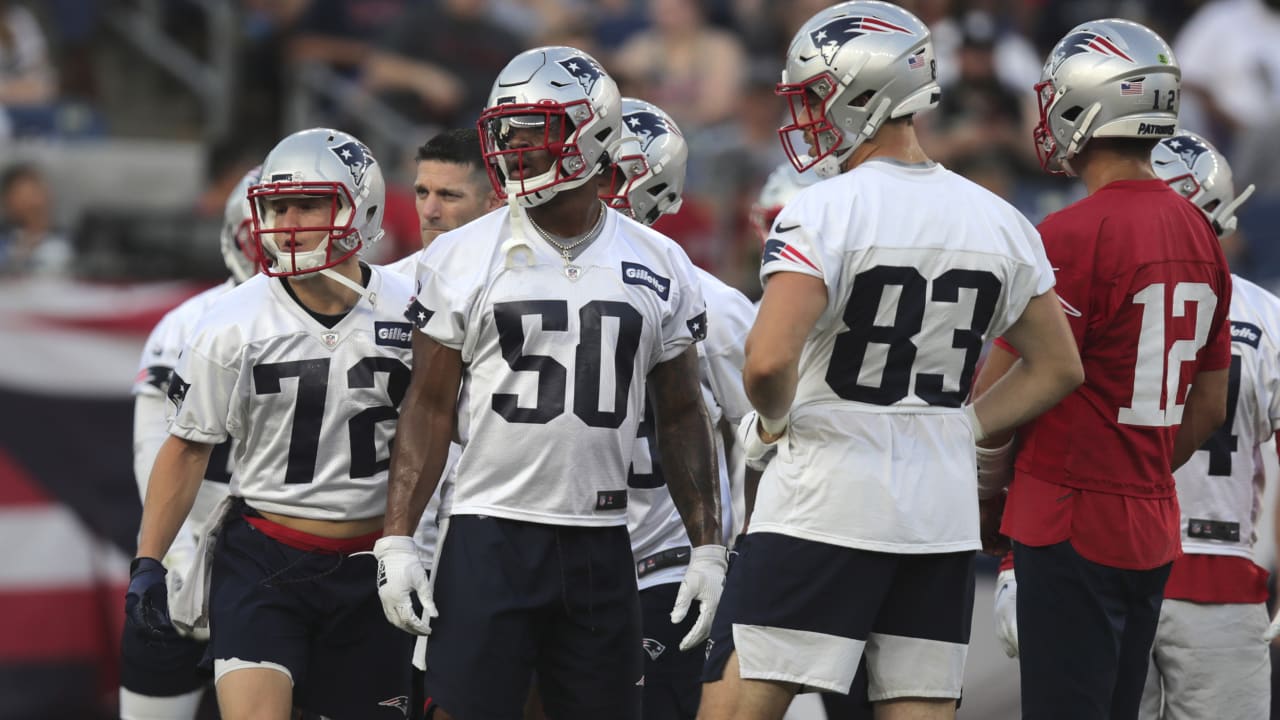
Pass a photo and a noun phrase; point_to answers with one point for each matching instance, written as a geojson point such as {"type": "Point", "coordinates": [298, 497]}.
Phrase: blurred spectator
{"type": "Point", "coordinates": [1230, 66]}
{"type": "Point", "coordinates": [979, 115]}
{"type": "Point", "coordinates": [690, 69]}
{"type": "Point", "coordinates": [29, 244]}
{"type": "Point", "coordinates": [27, 79]}
{"type": "Point", "coordinates": [614, 22]}
{"type": "Point", "coordinates": [440, 61]}
{"type": "Point", "coordinates": [531, 19]}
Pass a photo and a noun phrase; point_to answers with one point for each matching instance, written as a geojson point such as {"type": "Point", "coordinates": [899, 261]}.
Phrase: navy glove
{"type": "Point", "coordinates": [146, 605]}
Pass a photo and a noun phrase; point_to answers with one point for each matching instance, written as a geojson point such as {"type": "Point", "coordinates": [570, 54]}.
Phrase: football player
{"type": "Point", "coordinates": [647, 181]}
{"type": "Point", "coordinates": [881, 285]}
{"type": "Point", "coordinates": [162, 680]}
{"type": "Point", "coordinates": [1092, 510]}
{"type": "Point", "coordinates": [305, 366]}
{"type": "Point", "coordinates": [782, 184]}
{"type": "Point", "coordinates": [554, 316]}
{"type": "Point", "coordinates": [451, 189]}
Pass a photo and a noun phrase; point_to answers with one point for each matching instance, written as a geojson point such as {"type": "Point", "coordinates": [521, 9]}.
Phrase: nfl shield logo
{"type": "Point", "coordinates": [330, 339]}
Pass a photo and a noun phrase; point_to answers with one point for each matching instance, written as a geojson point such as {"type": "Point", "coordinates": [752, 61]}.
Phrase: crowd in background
{"type": "Point", "coordinates": [712, 64]}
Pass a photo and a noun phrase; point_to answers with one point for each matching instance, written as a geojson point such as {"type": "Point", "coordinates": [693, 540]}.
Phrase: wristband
{"type": "Point", "coordinates": [979, 433]}
{"type": "Point", "coordinates": [773, 426]}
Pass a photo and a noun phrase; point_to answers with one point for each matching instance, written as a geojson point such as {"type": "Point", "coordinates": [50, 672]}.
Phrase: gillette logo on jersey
{"type": "Point", "coordinates": [584, 70]}
{"type": "Point", "coordinates": [395, 334]}
{"type": "Point", "coordinates": [1247, 333]}
{"type": "Point", "coordinates": [831, 37]}
{"type": "Point", "coordinates": [635, 274]}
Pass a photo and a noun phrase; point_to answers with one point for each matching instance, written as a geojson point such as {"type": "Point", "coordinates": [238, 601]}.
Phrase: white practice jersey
{"type": "Point", "coordinates": [151, 418]}
{"type": "Point", "coordinates": [921, 267]}
{"type": "Point", "coordinates": [1220, 487]}
{"type": "Point", "coordinates": [407, 265]}
{"type": "Point", "coordinates": [313, 408]}
{"type": "Point", "coordinates": [555, 369]}
{"type": "Point", "coordinates": [652, 518]}
{"type": "Point", "coordinates": [428, 532]}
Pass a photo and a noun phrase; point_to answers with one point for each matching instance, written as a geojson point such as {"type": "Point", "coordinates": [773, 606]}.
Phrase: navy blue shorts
{"type": "Point", "coordinates": [672, 679]}
{"type": "Point", "coordinates": [802, 612]}
{"type": "Point", "coordinates": [315, 613]}
{"type": "Point", "coordinates": [1085, 632]}
{"type": "Point", "coordinates": [167, 667]}
{"type": "Point", "coordinates": [517, 598]}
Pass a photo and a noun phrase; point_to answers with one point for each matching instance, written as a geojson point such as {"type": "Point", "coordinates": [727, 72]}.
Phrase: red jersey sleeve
{"type": "Point", "coordinates": [1216, 353]}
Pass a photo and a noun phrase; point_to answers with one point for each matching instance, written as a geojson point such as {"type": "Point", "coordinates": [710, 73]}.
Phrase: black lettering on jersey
{"type": "Point", "coordinates": [417, 314]}
{"type": "Point", "coordinates": [698, 326]}
{"type": "Point", "coordinates": [1247, 333]}
{"type": "Point", "coordinates": [177, 389]}
{"type": "Point", "coordinates": [637, 274]}
{"type": "Point", "coordinates": [157, 376]}
{"type": "Point", "coordinates": [395, 334]}
{"type": "Point", "coordinates": [1223, 443]}
{"type": "Point", "coordinates": [914, 295]}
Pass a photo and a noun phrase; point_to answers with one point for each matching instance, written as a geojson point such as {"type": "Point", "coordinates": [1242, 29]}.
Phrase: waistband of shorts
{"type": "Point", "coordinates": [667, 558]}
{"type": "Point", "coordinates": [307, 542]}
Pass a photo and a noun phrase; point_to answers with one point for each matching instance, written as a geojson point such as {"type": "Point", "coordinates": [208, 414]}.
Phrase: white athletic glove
{"type": "Point", "coordinates": [1006, 612]}
{"type": "Point", "coordinates": [756, 452]}
{"type": "Point", "coordinates": [703, 581]}
{"type": "Point", "coordinates": [1273, 629]}
{"type": "Point", "coordinates": [400, 572]}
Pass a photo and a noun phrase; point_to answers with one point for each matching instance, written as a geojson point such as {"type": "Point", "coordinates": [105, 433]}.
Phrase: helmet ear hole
{"type": "Point", "coordinates": [1070, 114]}
{"type": "Point", "coordinates": [863, 99]}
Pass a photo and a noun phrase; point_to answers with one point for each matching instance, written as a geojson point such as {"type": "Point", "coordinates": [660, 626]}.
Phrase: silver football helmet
{"type": "Point", "coordinates": [1197, 171]}
{"type": "Point", "coordinates": [319, 162]}
{"type": "Point", "coordinates": [240, 252]}
{"type": "Point", "coordinates": [1106, 78]}
{"type": "Point", "coordinates": [850, 68]}
{"type": "Point", "coordinates": [554, 99]}
{"type": "Point", "coordinates": [781, 185]}
{"type": "Point", "coordinates": [649, 161]}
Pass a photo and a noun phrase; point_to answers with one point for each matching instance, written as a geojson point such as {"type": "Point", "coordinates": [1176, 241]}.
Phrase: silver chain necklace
{"type": "Point", "coordinates": [571, 271]}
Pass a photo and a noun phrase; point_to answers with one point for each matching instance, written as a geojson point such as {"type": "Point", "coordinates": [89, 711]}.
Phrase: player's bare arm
{"type": "Point", "coordinates": [171, 491]}
{"type": "Point", "coordinates": [1047, 370]}
{"type": "Point", "coordinates": [791, 306]}
{"type": "Point", "coordinates": [684, 440]}
{"type": "Point", "coordinates": [1204, 413]}
{"type": "Point", "coordinates": [424, 431]}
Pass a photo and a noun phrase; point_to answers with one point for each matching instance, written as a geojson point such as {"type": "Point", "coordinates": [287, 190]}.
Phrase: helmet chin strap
{"type": "Point", "coordinates": [517, 245]}
{"type": "Point", "coordinates": [354, 286]}
{"type": "Point", "coordinates": [1229, 212]}
{"type": "Point", "coordinates": [1077, 138]}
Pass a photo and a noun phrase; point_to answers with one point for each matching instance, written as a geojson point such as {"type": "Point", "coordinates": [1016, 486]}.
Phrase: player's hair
{"type": "Point", "coordinates": [460, 147]}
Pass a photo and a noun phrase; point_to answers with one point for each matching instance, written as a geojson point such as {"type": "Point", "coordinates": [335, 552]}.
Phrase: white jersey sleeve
{"type": "Point", "coordinates": [1220, 488]}
{"type": "Point", "coordinates": [555, 368]}
{"type": "Point", "coordinates": [921, 267]}
{"type": "Point", "coordinates": [313, 407]}
{"type": "Point", "coordinates": [406, 266]}
{"type": "Point", "coordinates": [730, 316]}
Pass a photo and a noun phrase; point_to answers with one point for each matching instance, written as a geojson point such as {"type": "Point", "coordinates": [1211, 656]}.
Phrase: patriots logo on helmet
{"type": "Point", "coordinates": [585, 70]}
{"type": "Point", "coordinates": [356, 157]}
{"type": "Point", "coordinates": [1188, 148]}
{"type": "Point", "coordinates": [647, 126]}
{"type": "Point", "coordinates": [1087, 41]}
{"type": "Point", "coordinates": [831, 37]}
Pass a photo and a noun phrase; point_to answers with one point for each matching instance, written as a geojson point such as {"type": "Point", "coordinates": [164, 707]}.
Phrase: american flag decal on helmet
{"type": "Point", "coordinates": [832, 36]}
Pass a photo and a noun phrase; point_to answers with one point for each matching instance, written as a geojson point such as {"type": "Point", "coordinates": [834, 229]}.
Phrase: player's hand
{"type": "Point", "coordinates": [755, 449]}
{"type": "Point", "coordinates": [990, 515]}
{"type": "Point", "coordinates": [1273, 630]}
{"type": "Point", "coordinates": [146, 604]}
{"type": "Point", "coordinates": [1006, 612]}
{"type": "Point", "coordinates": [400, 574]}
{"type": "Point", "coordinates": [703, 581]}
